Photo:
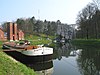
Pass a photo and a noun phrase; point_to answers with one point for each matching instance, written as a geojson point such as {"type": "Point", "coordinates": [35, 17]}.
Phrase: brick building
{"type": "Point", "coordinates": [20, 35]}
{"type": "Point", "coordinates": [1, 34]}
{"type": "Point", "coordinates": [13, 33]}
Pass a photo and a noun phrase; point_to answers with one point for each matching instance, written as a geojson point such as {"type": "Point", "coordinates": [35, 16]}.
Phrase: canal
{"type": "Point", "coordinates": [68, 59]}
{"type": "Point", "coordinates": [71, 60]}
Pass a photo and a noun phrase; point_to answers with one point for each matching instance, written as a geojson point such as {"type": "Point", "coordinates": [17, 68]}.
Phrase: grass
{"type": "Point", "coordinates": [1, 45]}
{"type": "Point", "coordinates": [10, 67]}
{"type": "Point", "coordinates": [39, 39]}
{"type": "Point", "coordinates": [86, 42]}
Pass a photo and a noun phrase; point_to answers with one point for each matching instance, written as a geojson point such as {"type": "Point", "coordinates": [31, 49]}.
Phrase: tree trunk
{"type": "Point", "coordinates": [96, 29]}
{"type": "Point", "coordinates": [87, 35]}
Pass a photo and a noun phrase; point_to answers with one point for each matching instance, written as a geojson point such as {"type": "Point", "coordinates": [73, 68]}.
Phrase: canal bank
{"type": "Point", "coordinates": [9, 66]}
{"type": "Point", "coordinates": [86, 42]}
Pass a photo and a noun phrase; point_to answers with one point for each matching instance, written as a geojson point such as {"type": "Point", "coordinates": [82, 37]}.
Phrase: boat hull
{"type": "Point", "coordinates": [38, 52]}
{"type": "Point", "coordinates": [28, 53]}
{"type": "Point", "coordinates": [29, 50]}
{"type": "Point", "coordinates": [29, 59]}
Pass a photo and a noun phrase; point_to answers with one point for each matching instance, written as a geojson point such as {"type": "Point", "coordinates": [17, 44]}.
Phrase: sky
{"type": "Point", "coordinates": [52, 10]}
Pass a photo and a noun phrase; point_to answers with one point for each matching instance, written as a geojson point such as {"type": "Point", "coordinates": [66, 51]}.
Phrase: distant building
{"type": "Point", "coordinates": [5, 35]}
{"type": "Point", "coordinates": [20, 35]}
{"type": "Point", "coordinates": [66, 31]}
{"type": "Point", "coordinates": [1, 34]}
{"type": "Point", "coordinates": [12, 32]}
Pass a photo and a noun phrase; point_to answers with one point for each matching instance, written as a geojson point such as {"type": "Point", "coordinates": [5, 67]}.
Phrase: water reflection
{"type": "Point", "coordinates": [64, 50]}
{"type": "Point", "coordinates": [86, 57]}
{"type": "Point", "coordinates": [88, 61]}
{"type": "Point", "coordinates": [64, 59]}
{"type": "Point", "coordinates": [42, 68]}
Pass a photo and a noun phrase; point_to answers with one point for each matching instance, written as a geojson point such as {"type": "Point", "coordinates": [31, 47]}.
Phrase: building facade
{"type": "Point", "coordinates": [12, 32]}
{"type": "Point", "coordinates": [20, 35]}
{"type": "Point", "coordinates": [1, 34]}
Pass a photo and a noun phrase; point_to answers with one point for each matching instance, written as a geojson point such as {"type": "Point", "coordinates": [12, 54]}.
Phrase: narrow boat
{"type": "Point", "coordinates": [28, 53]}
{"type": "Point", "coordinates": [28, 50]}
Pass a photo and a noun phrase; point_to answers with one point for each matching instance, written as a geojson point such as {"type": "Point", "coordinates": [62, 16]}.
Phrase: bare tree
{"type": "Point", "coordinates": [85, 20]}
{"type": "Point", "coordinates": [97, 3]}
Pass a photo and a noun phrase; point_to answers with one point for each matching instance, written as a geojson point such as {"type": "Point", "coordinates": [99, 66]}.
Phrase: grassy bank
{"type": "Point", "coordinates": [86, 42]}
{"type": "Point", "coordinates": [39, 39]}
{"type": "Point", "coordinates": [10, 67]}
{"type": "Point", "coordinates": [1, 45]}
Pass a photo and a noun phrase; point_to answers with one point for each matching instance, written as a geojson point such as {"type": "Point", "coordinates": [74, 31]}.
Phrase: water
{"type": "Point", "coordinates": [72, 60]}
{"type": "Point", "coordinates": [65, 67]}
{"type": "Point", "coordinates": [69, 60]}
{"type": "Point", "coordinates": [65, 62]}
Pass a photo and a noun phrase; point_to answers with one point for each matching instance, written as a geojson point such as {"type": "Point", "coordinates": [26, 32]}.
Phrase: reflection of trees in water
{"type": "Point", "coordinates": [62, 49]}
{"type": "Point", "coordinates": [88, 62]}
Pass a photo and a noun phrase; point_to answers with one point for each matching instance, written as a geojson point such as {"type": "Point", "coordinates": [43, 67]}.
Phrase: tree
{"type": "Point", "coordinates": [31, 24]}
{"type": "Point", "coordinates": [20, 22]}
{"type": "Point", "coordinates": [97, 3]}
{"type": "Point", "coordinates": [38, 26]}
{"type": "Point", "coordinates": [4, 26]}
{"type": "Point", "coordinates": [85, 20]}
{"type": "Point", "coordinates": [45, 31]}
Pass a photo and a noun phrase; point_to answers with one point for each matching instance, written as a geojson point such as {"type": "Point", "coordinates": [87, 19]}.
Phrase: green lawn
{"type": "Point", "coordinates": [39, 39]}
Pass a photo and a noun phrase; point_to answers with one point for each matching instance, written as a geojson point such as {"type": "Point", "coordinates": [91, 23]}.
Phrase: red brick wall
{"type": "Point", "coordinates": [1, 34]}
{"type": "Point", "coordinates": [15, 31]}
{"type": "Point", "coordinates": [20, 35]}
{"type": "Point", "coordinates": [10, 31]}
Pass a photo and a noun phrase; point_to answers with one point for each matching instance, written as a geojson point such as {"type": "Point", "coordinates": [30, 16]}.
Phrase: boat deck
{"type": "Point", "coordinates": [19, 46]}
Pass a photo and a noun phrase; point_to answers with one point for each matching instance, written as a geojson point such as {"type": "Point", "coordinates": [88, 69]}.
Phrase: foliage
{"type": "Point", "coordinates": [89, 23]}
{"type": "Point", "coordinates": [31, 25]}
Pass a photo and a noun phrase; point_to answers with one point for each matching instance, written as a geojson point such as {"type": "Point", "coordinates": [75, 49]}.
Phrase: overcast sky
{"type": "Point", "coordinates": [52, 10]}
